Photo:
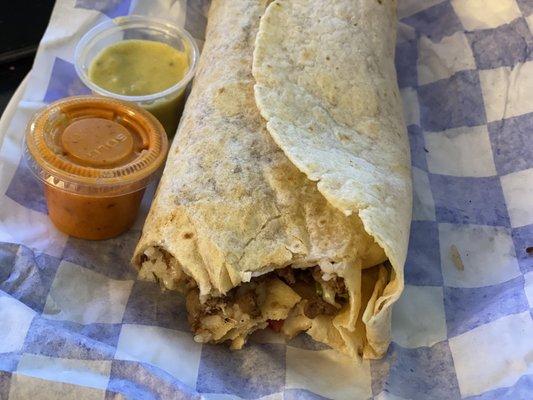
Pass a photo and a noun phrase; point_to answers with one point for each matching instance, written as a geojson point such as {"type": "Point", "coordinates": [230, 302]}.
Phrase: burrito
{"type": "Point", "coordinates": [285, 202]}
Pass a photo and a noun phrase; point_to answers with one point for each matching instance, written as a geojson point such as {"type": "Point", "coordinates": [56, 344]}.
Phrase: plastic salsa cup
{"type": "Point", "coordinates": [95, 156]}
{"type": "Point", "coordinates": [165, 105]}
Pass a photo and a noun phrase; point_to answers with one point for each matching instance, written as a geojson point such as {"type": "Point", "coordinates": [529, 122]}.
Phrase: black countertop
{"type": "Point", "coordinates": [22, 24]}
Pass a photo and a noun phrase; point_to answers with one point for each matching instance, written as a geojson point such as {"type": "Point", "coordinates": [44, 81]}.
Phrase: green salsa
{"type": "Point", "coordinates": [138, 67]}
{"type": "Point", "coordinates": [143, 67]}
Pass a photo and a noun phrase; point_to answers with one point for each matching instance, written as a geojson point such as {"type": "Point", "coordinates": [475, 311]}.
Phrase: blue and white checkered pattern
{"type": "Point", "coordinates": [75, 322]}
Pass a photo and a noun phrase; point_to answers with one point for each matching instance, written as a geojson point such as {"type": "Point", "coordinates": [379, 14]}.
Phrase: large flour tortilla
{"type": "Point", "coordinates": [233, 203]}
{"type": "Point", "coordinates": [326, 86]}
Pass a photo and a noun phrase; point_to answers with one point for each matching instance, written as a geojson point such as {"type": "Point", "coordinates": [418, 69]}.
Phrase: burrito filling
{"type": "Point", "coordinates": [285, 300]}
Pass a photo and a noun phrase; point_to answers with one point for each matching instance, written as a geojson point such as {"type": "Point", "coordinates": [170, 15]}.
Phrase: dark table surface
{"type": "Point", "coordinates": [22, 24]}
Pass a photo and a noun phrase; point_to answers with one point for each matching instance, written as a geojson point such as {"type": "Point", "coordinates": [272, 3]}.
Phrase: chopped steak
{"type": "Point", "coordinates": [287, 274]}
{"type": "Point", "coordinates": [315, 307]}
{"type": "Point", "coordinates": [247, 302]}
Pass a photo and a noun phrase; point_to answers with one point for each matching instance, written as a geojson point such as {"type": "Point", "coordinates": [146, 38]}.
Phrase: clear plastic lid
{"type": "Point", "coordinates": [94, 145]}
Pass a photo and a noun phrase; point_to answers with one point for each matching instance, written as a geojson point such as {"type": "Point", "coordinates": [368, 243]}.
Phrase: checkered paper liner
{"type": "Point", "coordinates": [75, 322]}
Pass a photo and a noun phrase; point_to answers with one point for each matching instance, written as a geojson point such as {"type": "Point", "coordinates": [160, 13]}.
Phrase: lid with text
{"type": "Point", "coordinates": [95, 145]}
